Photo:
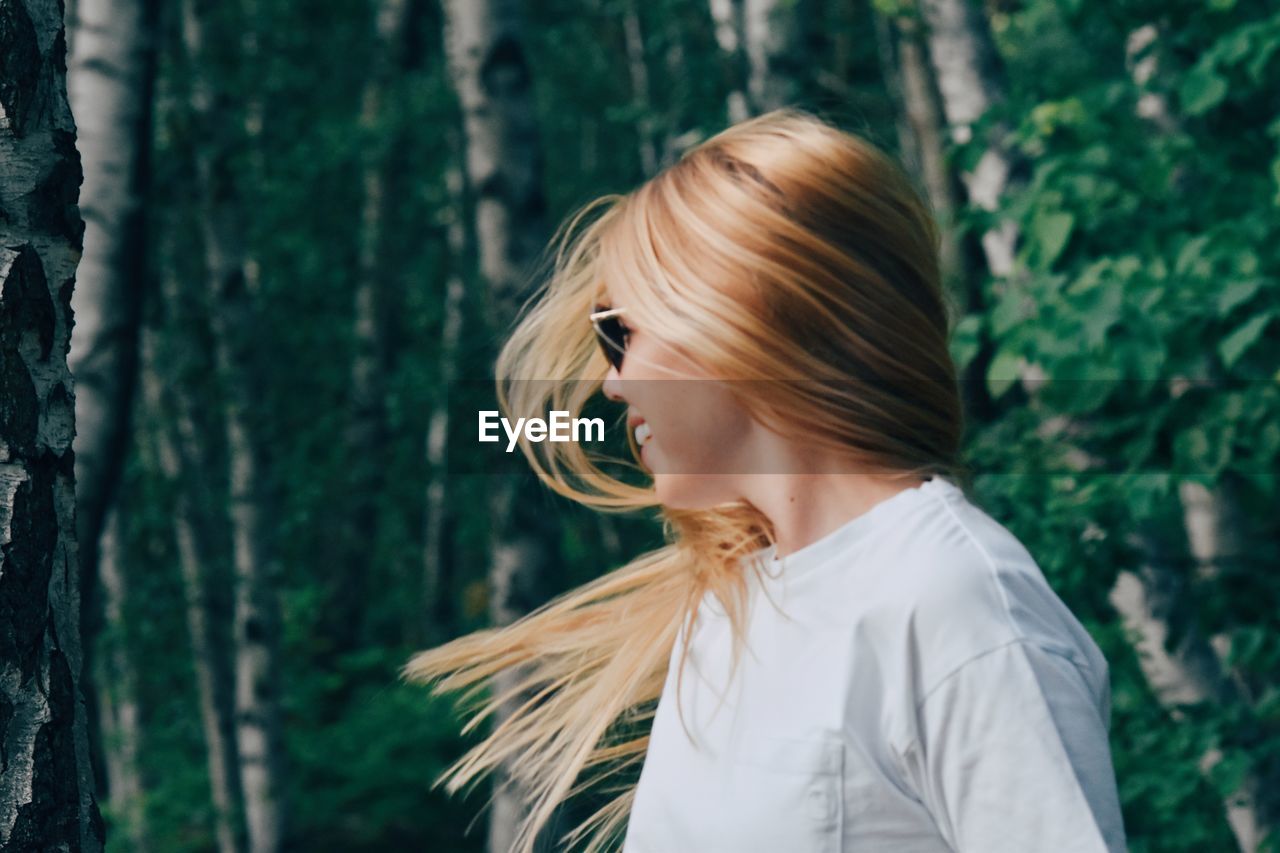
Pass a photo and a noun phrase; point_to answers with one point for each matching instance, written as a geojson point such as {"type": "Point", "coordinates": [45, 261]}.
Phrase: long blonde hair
{"type": "Point", "coordinates": [781, 249]}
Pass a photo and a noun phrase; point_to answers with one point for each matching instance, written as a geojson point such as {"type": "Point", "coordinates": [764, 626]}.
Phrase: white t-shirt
{"type": "Point", "coordinates": [915, 686]}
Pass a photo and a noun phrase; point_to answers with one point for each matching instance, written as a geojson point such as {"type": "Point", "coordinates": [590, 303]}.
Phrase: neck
{"type": "Point", "coordinates": [804, 507]}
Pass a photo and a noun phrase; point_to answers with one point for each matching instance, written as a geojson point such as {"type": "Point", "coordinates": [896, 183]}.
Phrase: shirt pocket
{"type": "Point", "coordinates": [790, 792]}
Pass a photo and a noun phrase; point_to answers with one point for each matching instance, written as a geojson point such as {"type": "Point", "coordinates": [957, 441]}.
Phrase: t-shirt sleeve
{"type": "Point", "coordinates": [1011, 754]}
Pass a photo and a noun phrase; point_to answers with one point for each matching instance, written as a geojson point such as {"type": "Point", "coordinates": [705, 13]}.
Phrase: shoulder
{"type": "Point", "coordinates": [954, 585]}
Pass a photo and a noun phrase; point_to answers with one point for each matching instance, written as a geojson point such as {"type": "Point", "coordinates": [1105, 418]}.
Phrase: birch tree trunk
{"type": "Point", "coordinates": [117, 685]}
{"type": "Point", "coordinates": [1196, 668]}
{"type": "Point", "coordinates": [777, 38]}
{"type": "Point", "coordinates": [231, 273]}
{"type": "Point", "coordinates": [434, 557]}
{"type": "Point", "coordinates": [1150, 599]}
{"type": "Point", "coordinates": [968, 72]}
{"type": "Point", "coordinates": [638, 70]}
{"type": "Point", "coordinates": [366, 428]}
{"type": "Point", "coordinates": [110, 77]}
{"type": "Point", "coordinates": [490, 70]}
{"type": "Point", "coordinates": [970, 79]}
{"type": "Point", "coordinates": [965, 71]}
{"type": "Point", "coordinates": [921, 128]}
{"type": "Point", "coordinates": [177, 456]}
{"type": "Point", "coordinates": [728, 16]}
{"type": "Point", "coordinates": [47, 796]}
{"type": "Point", "coordinates": [110, 80]}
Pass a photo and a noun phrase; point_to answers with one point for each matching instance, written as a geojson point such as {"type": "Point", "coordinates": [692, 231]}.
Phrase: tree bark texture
{"type": "Point", "coordinates": [460, 254]}
{"type": "Point", "coordinates": [116, 680]}
{"type": "Point", "coordinates": [110, 80]}
{"type": "Point", "coordinates": [257, 611]}
{"type": "Point", "coordinates": [366, 426]}
{"type": "Point", "coordinates": [778, 37]}
{"type": "Point", "coordinates": [922, 129]}
{"type": "Point", "coordinates": [47, 799]}
{"type": "Point", "coordinates": [489, 65]}
{"type": "Point", "coordinates": [176, 448]}
{"type": "Point", "coordinates": [641, 92]}
{"type": "Point", "coordinates": [730, 30]}
{"type": "Point", "coordinates": [970, 78]}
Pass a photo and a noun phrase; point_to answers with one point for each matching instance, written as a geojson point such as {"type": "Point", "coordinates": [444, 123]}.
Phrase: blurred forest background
{"type": "Point", "coordinates": [306, 220]}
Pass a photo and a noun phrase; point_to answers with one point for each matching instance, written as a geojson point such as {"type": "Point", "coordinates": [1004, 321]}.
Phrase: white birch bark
{"type": "Point", "coordinates": [488, 64]}
{"type": "Point", "coordinates": [366, 425]}
{"type": "Point", "coordinates": [1196, 669]}
{"type": "Point", "coordinates": [764, 38]}
{"type": "Point", "coordinates": [921, 128]}
{"type": "Point", "coordinates": [47, 796]}
{"type": "Point", "coordinates": [730, 28]}
{"type": "Point", "coordinates": [638, 70]}
{"type": "Point", "coordinates": [109, 83]}
{"type": "Point", "coordinates": [174, 438]}
{"type": "Point", "coordinates": [232, 276]}
{"type": "Point", "coordinates": [969, 78]}
{"type": "Point", "coordinates": [433, 556]}
{"type": "Point", "coordinates": [117, 685]}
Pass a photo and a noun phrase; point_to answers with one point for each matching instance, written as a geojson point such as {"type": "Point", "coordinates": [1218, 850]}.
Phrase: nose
{"type": "Point", "coordinates": [612, 386]}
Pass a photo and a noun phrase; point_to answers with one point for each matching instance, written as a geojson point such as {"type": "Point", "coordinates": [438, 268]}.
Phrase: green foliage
{"type": "Point", "coordinates": [1148, 251]}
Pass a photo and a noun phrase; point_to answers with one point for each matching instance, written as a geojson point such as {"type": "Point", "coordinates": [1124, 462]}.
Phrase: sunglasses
{"type": "Point", "coordinates": [611, 332]}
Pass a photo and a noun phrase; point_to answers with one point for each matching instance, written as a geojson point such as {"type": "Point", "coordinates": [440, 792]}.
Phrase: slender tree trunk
{"type": "Point", "coordinates": [969, 75]}
{"type": "Point", "coordinates": [110, 79]}
{"type": "Point", "coordinates": [1214, 522]}
{"type": "Point", "coordinates": [117, 685]}
{"type": "Point", "coordinates": [638, 69]}
{"type": "Point", "coordinates": [676, 84]}
{"type": "Point", "coordinates": [47, 796]}
{"type": "Point", "coordinates": [921, 129]}
{"type": "Point", "coordinates": [174, 439]}
{"type": "Point", "coordinates": [889, 49]}
{"type": "Point", "coordinates": [970, 78]}
{"type": "Point", "coordinates": [730, 35]}
{"type": "Point", "coordinates": [966, 72]}
{"type": "Point", "coordinates": [366, 428]}
{"type": "Point", "coordinates": [1149, 600]}
{"type": "Point", "coordinates": [778, 38]}
{"type": "Point", "coordinates": [460, 255]}
{"type": "Point", "coordinates": [1196, 668]}
{"type": "Point", "coordinates": [490, 71]}
{"type": "Point", "coordinates": [232, 276]}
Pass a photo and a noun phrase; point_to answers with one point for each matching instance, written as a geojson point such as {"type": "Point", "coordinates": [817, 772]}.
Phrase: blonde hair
{"type": "Point", "coordinates": [781, 249]}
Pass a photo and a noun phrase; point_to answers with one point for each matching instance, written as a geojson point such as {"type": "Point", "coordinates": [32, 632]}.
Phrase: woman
{"type": "Point", "coordinates": [874, 663]}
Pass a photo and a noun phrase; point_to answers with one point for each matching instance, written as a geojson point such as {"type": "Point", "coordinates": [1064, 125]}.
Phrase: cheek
{"type": "Point", "coordinates": [701, 429]}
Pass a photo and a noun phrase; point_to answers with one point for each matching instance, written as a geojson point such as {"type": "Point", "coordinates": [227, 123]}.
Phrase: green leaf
{"type": "Point", "coordinates": [1006, 314]}
{"type": "Point", "coordinates": [1261, 56]}
{"type": "Point", "coordinates": [964, 340]}
{"type": "Point", "coordinates": [1191, 260]}
{"type": "Point", "coordinates": [1202, 90]}
{"type": "Point", "coordinates": [1003, 371]}
{"type": "Point", "coordinates": [1052, 231]}
{"type": "Point", "coordinates": [1235, 293]}
{"type": "Point", "coordinates": [1234, 345]}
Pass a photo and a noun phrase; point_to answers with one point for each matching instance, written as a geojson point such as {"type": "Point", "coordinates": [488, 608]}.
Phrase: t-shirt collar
{"type": "Point", "coordinates": [843, 537]}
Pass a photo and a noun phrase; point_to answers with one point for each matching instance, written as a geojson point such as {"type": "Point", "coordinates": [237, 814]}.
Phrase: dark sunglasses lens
{"type": "Point", "coordinates": [612, 340]}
